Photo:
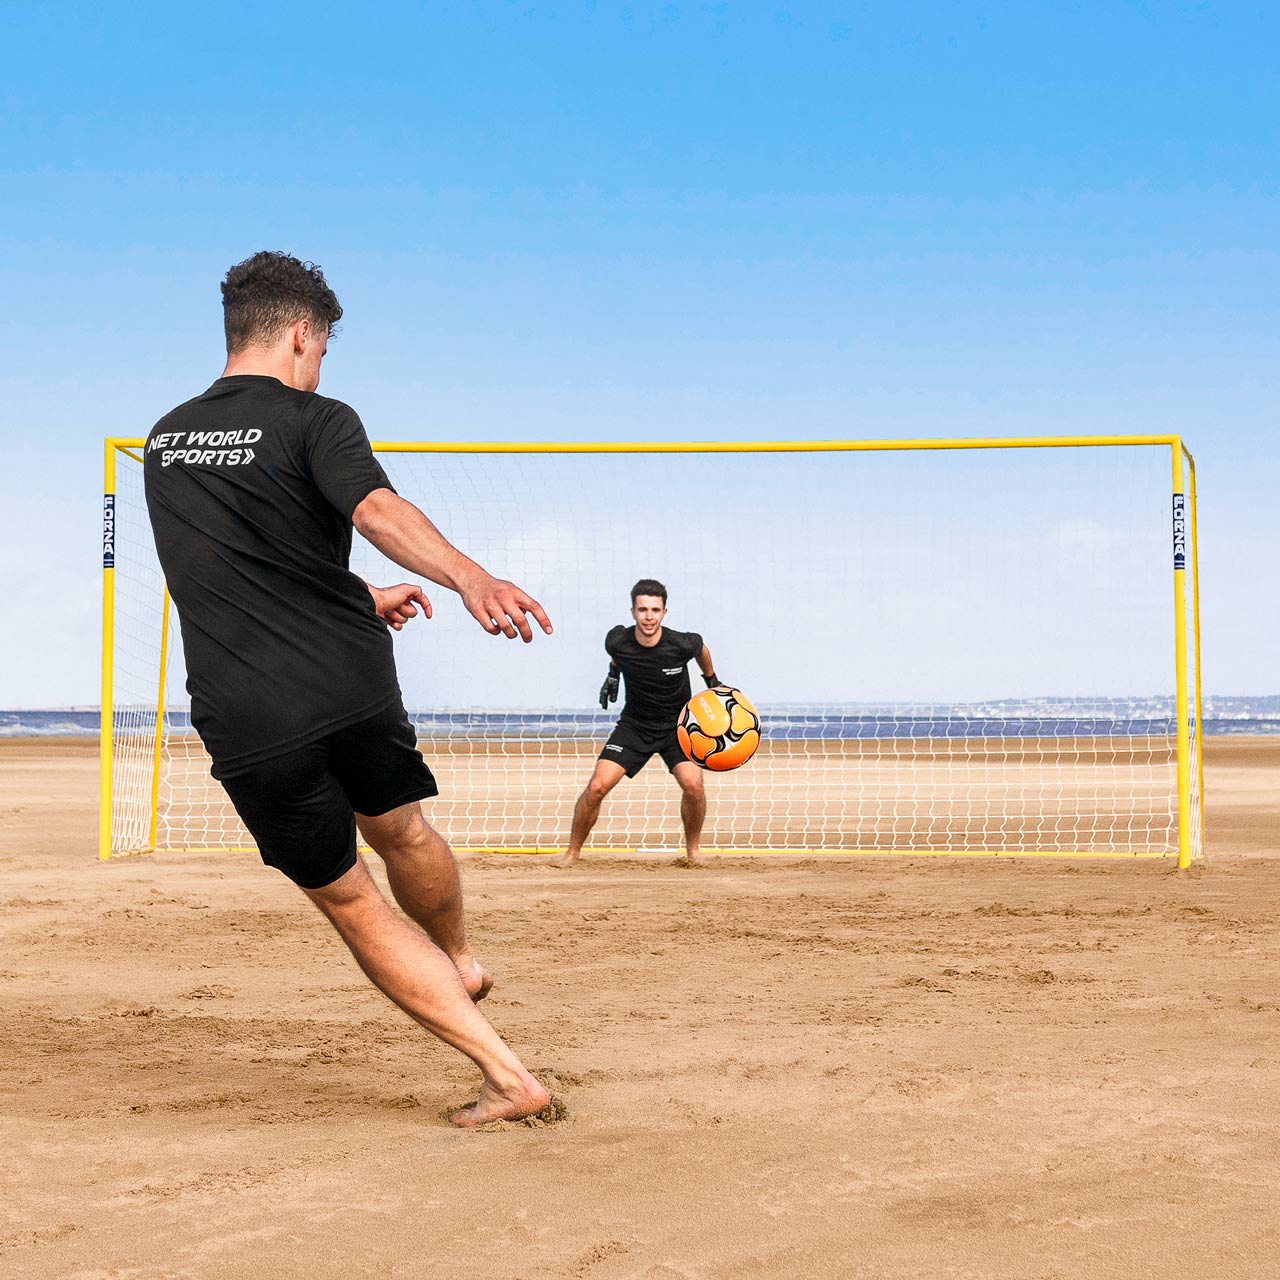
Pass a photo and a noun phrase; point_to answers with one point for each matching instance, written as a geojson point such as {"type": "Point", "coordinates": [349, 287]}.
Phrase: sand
{"type": "Point", "coordinates": [854, 1067]}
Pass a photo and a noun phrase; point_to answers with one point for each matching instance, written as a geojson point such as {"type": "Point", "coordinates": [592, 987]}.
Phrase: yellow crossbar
{"type": "Point", "coordinates": [746, 446]}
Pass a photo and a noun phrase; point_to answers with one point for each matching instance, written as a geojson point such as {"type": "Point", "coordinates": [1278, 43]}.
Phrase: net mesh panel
{"type": "Point", "coordinates": [960, 651]}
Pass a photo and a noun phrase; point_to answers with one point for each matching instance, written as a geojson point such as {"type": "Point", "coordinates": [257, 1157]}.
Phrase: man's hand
{"type": "Point", "coordinates": [609, 690]}
{"type": "Point", "coordinates": [500, 607]}
{"type": "Point", "coordinates": [711, 679]}
{"type": "Point", "coordinates": [395, 605]}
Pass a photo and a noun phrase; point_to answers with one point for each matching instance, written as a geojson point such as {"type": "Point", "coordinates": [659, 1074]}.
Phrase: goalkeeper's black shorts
{"type": "Point", "coordinates": [632, 746]}
{"type": "Point", "coordinates": [300, 807]}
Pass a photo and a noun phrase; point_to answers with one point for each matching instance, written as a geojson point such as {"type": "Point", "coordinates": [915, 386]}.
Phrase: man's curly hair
{"type": "Point", "coordinates": [270, 291]}
{"type": "Point", "coordinates": [648, 587]}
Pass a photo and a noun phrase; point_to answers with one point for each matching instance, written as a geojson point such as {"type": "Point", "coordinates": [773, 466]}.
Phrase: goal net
{"type": "Point", "coordinates": [955, 647]}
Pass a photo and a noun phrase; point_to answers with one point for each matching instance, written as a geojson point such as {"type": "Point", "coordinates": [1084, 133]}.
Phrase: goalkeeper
{"type": "Point", "coordinates": [654, 661]}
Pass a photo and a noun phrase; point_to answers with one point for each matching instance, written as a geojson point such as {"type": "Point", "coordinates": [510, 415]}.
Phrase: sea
{"type": "Point", "coordinates": [1020, 718]}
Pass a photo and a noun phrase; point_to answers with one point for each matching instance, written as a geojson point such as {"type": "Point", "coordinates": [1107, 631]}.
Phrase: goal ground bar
{"type": "Point", "coordinates": [733, 853]}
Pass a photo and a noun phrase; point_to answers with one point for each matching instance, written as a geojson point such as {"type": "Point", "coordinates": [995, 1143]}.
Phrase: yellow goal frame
{"type": "Point", "coordinates": [1186, 639]}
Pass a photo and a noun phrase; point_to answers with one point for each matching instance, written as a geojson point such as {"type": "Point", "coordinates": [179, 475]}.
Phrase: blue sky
{"type": "Point", "coordinates": [647, 221]}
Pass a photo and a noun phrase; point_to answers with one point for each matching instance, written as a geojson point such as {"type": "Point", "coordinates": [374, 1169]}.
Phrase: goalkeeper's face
{"type": "Point", "coordinates": [648, 611]}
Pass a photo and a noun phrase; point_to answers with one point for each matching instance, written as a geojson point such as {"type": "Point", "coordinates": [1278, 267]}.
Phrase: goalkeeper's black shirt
{"type": "Point", "coordinates": [657, 678]}
{"type": "Point", "coordinates": [250, 488]}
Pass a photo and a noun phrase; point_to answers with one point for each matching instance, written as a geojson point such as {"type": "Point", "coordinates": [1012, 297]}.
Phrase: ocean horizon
{"type": "Point", "coordinates": [1008, 718]}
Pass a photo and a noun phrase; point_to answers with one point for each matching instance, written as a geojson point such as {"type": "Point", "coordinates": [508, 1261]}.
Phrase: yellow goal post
{"type": "Point", "coordinates": [958, 646]}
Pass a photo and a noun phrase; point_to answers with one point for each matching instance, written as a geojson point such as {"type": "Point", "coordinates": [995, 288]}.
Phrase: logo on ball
{"type": "Point", "coordinates": [719, 729]}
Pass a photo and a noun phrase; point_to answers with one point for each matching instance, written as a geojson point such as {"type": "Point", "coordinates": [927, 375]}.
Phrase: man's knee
{"type": "Point", "coordinates": [596, 791]}
{"type": "Point", "coordinates": [354, 890]}
{"type": "Point", "coordinates": [600, 786]}
{"type": "Point", "coordinates": [403, 832]}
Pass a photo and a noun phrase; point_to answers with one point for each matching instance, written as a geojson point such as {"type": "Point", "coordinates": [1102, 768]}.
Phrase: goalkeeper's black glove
{"type": "Point", "coordinates": [609, 690]}
{"type": "Point", "coordinates": [712, 680]}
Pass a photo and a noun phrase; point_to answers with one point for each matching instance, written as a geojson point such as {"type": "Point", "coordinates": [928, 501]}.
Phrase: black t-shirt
{"type": "Point", "coordinates": [657, 678]}
{"type": "Point", "coordinates": [250, 488]}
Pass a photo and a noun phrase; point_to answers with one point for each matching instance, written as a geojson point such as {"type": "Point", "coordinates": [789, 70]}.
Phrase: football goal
{"type": "Point", "coordinates": [955, 646]}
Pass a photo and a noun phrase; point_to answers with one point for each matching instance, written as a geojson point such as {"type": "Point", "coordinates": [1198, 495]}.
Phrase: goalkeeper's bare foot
{"type": "Point", "coordinates": [513, 1100]}
{"type": "Point", "coordinates": [476, 979]}
{"type": "Point", "coordinates": [566, 860]}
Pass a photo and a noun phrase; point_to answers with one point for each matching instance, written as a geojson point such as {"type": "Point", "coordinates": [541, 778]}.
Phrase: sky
{"type": "Point", "coordinates": [661, 222]}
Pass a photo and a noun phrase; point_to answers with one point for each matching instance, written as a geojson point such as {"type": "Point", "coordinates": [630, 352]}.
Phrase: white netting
{"type": "Point", "coordinates": [958, 651]}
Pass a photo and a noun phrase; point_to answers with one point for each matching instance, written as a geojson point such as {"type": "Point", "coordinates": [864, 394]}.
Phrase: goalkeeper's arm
{"type": "Point", "coordinates": [609, 690]}
{"type": "Point", "coordinates": [708, 668]}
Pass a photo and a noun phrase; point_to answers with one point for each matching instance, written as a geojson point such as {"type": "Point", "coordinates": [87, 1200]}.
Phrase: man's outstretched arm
{"type": "Point", "coordinates": [403, 534]}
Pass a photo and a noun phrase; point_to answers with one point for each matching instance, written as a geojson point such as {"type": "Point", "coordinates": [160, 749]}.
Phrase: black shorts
{"type": "Point", "coordinates": [300, 807]}
{"type": "Point", "coordinates": [631, 747]}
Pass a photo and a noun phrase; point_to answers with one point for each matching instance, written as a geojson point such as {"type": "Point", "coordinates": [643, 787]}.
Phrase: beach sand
{"type": "Point", "coordinates": [798, 1067]}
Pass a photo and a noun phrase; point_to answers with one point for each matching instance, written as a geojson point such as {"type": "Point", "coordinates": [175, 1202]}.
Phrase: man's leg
{"type": "Point", "coordinates": [424, 880]}
{"type": "Point", "coordinates": [693, 804]}
{"type": "Point", "coordinates": [409, 969]}
{"type": "Point", "coordinates": [606, 776]}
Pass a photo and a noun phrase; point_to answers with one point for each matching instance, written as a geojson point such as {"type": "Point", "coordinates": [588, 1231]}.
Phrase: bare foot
{"type": "Point", "coordinates": [566, 860]}
{"type": "Point", "coordinates": [523, 1097]}
{"type": "Point", "coordinates": [477, 980]}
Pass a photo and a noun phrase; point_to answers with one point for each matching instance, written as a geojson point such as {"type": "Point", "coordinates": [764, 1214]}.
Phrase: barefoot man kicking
{"type": "Point", "coordinates": [654, 661]}
{"type": "Point", "coordinates": [253, 488]}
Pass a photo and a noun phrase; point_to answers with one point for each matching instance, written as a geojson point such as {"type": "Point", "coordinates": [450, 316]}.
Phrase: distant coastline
{"type": "Point", "coordinates": [1012, 718]}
